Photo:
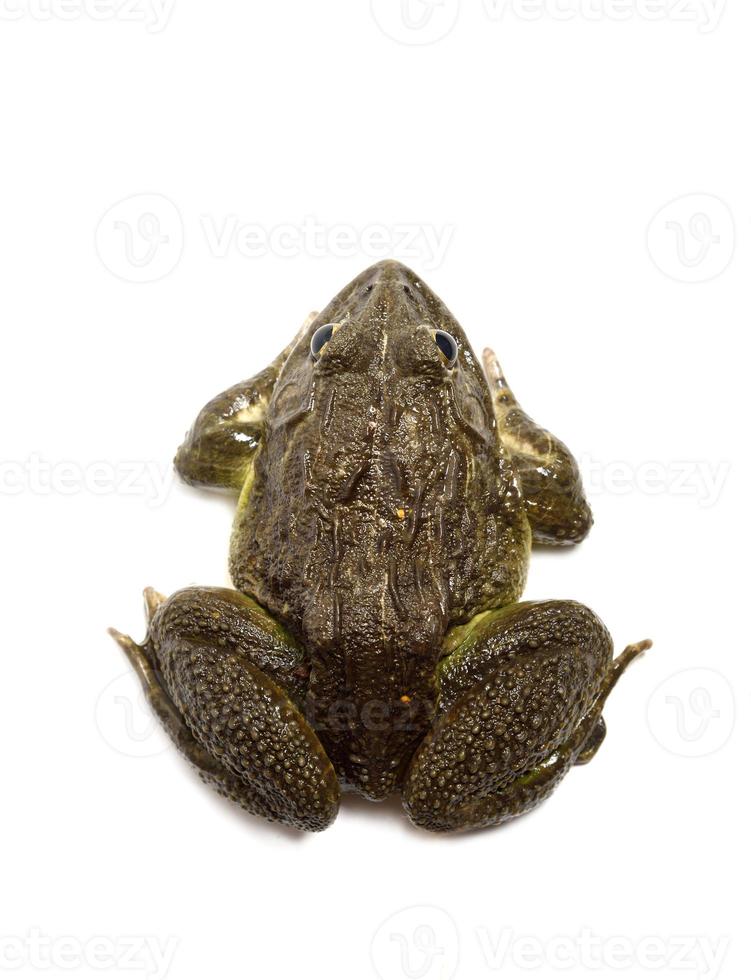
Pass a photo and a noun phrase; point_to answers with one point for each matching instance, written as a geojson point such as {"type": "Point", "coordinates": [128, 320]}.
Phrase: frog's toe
{"type": "Point", "coordinates": [520, 702]}
{"type": "Point", "coordinates": [592, 744]}
{"type": "Point", "coordinates": [152, 601]}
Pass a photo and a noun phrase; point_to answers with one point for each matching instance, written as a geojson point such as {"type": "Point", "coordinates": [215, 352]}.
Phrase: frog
{"type": "Point", "coordinates": [390, 489]}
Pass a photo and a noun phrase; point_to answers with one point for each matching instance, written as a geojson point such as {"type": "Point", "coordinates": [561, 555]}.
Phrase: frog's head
{"type": "Point", "coordinates": [388, 323]}
{"type": "Point", "coordinates": [386, 339]}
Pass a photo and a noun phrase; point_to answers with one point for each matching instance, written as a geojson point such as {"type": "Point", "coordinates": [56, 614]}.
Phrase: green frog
{"type": "Point", "coordinates": [389, 489]}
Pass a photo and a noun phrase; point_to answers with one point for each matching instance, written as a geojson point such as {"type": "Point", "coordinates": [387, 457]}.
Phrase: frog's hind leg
{"type": "Point", "coordinates": [226, 682]}
{"type": "Point", "coordinates": [520, 701]}
{"type": "Point", "coordinates": [554, 497]}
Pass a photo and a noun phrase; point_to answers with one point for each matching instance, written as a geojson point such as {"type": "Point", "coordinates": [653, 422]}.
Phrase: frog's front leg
{"type": "Point", "coordinates": [228, 685]}
{"type": "Point", "coordinates": [554, 497]}
{"type": "Point", "coordinates": [521, 694]}
{"type": "Point", "coordinates": [219, 448]}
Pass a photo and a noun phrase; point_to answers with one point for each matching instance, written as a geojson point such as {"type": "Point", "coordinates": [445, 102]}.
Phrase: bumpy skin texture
{"type": "Point", "coordinates": [388, 498]}
{"type": "Point", "coordinates": [554, 497]}
{"type": "Point", "coordinates": [515, 706]}
{"type": "Point", "coordinates": [228, 430]}
{"type": "Point", "coordinates": [233, 674]}
{"type": "Point", "coordinates": [356, 527]}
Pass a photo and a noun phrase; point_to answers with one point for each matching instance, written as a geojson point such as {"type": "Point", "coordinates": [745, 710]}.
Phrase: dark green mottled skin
{"type": "Point", "coordinates": [387, 504]}
{"type": "Point", "coordinates": [357, 530]}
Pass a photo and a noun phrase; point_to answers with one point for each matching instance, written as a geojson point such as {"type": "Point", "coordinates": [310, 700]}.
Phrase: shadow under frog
{"type": "Point", "coordinates": [389, 491]}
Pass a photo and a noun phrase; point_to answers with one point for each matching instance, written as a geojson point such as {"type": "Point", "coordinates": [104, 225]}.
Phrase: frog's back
{"type": "Point", "coordinates": [381, 510]}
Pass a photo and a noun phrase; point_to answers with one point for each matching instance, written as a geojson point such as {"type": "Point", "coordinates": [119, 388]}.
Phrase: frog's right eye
{"type": "Point", "coordinates": [447, 346]}
{"type": "Point", "coordinates": [320, 338]}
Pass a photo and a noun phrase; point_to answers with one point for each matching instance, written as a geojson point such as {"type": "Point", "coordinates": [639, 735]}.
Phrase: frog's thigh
{"type": "Point", "coordinates": [520, 701]}
{"type": "Point", "coordinates": [213, 667]}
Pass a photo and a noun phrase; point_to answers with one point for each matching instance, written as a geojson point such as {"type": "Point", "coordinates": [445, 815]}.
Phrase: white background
{"type": "Point", "coordinates": [586, 169]}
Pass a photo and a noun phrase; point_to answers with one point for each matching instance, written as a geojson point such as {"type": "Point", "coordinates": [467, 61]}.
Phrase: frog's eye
{"type": "Point", "coordinates": [447, 346]}
{"type": "Point", "coordinates": [320, 338]}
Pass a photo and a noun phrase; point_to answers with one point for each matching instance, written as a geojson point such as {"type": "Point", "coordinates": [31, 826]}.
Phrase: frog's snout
{"type": "Point", "coordinates": [388, 270]}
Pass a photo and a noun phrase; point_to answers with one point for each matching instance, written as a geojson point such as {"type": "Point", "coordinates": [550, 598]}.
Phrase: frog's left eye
{"type": "Point", "coordinates": [320, 338]}
{"type": "Point", "coordinates": [447, 346]}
